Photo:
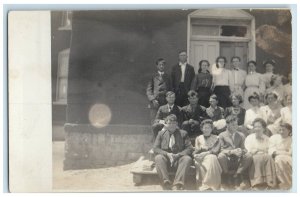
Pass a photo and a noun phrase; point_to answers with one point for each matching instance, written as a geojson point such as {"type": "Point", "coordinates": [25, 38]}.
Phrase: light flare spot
{"type": "Point", "coordinates": [100, 115]}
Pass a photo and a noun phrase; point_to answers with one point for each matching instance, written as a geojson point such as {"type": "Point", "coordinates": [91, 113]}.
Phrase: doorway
{"type": "Point", "coordinates": [230, 49]}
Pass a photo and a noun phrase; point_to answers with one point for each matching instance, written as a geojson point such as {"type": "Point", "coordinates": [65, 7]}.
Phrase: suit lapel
{"type": "Point", "coordinates": [229, 139]}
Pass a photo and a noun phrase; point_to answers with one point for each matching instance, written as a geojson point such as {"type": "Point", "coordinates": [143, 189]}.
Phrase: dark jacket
{"type": "Point", "coordinates": [163, 112]}
{"type": "Point", "coordinates": [198, 114]}
{"type": "Point", "coordinates": [182, 143]}
{"type": "Point", "coordinates": [188, 78]}
{"type": "Point", "coordinates": [158, 86]}
{"type": "Point", "coordinates": [228, 144]}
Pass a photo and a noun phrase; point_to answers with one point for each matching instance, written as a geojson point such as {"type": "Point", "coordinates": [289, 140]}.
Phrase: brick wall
{"type": "Point", "coordinates": [90, 147]}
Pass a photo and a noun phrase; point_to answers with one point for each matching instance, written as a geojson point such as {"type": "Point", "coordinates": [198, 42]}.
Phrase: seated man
{"type": "Point", "coordinates": [164, 111]}
{"type": "Point", "coordinates": [193, 114]}
{"type": "Point", "coordinates": [233, 156]}
{"type": "Point", "coordinates": [173, 148]}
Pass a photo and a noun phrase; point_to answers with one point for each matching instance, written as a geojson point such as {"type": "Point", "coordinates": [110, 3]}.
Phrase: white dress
{"type": "Point", "coordinates": [283, 159]}
{"type": "Point", "coordinates": [271, 116]}
{"type": "Point", "coordinates": [208, 170]}
{"type": "Point", "coordinates": [251, 114]}
{"type": "Point", "coordinates": [267, 79]}
{"type": "Point", "coordinates": [253, 83]}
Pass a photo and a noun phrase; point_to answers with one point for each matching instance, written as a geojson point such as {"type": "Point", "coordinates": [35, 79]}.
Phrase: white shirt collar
{"type": "Point", "coordinates": [182, 64]}
{"type": "Point", "coordinates": [171, 106]}
{"type": "Point", "coordinates": [161, 73]}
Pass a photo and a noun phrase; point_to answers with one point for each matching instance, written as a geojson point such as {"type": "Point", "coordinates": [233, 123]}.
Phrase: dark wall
{"type": "Point", "coordinates": [113, 54]}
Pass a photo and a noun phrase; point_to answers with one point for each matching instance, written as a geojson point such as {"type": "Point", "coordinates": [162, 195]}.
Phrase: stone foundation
{"type": "Point", "coordinates": [90, 147]}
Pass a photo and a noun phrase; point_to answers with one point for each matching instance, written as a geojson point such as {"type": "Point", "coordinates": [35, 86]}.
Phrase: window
{"type": "Point", "coordinates": [238, 31]}
{"type": "Point", "coordinates": [66, 21]}
{"type": "Point", "coordinates": [205, 30]}
{"type": "Point", "coordinates": [62, 76]}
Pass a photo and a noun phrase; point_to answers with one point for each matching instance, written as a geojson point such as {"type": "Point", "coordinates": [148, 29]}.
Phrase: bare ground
{"type": "Point", "coordinates": [109, 179]}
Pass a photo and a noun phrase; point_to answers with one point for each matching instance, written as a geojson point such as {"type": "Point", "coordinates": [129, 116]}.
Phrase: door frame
{"type": "Point", "coordinates": [229, 16]}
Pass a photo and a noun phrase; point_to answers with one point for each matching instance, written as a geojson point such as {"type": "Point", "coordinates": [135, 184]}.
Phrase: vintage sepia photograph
{"type": "Point", "coordinates": [172, 100]}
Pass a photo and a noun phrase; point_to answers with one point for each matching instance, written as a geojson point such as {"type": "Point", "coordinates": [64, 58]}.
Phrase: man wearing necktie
{"type": "Point", "coordinates": [233, 157]}
{"type": "Point", "coordinates": [238, 77]}
{"type": "Point", "coordinates": [182, 76]}
{"type": "Point", "coordinates": [157, 88]}
{"type": "Point", "coordinates": [164, 111]}
{"type": "Point", "coordinates": [173, 151]}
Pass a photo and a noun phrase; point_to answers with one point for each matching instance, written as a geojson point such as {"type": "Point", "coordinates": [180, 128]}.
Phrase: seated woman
{"type": "Point", "coordinates": [208, 169]}
{"type": "Point", "coordinates": [271, 112]}
{"type": "Point", "coordinates": [262, 172]}
{"type": "Point", "coordinates": [253, 112]}
{"type": "Point", "coordinates": [216, 114]}
{"type": "Point", "coordinates": [236, 109]}
{"type": "Point", "coordinates": [277, 87]}
{"type": "Point", "coordinates": [281, 150]}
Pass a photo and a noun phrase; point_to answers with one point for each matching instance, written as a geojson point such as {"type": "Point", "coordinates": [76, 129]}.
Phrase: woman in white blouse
{"type": "Point", "coordinates": [271, 112]}
{"type": "Point", "coordinates": [253, 83]}
{"type": "Point", "coordinates": [253, 112]}
{"type": "Point", "coordinates": [208, 169]}
{"type": "Point", "coordinates": [281, 150]}
{"type": "Point", "coordinates": [262, 171]}
{"type": "Point", "coordinates": [222, 82]}
{"type": "Point", "coordinates": [269, 65]}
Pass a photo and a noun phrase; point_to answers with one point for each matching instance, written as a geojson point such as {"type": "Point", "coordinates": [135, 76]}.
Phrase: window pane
{"type": "Point", "coordinates": [62, 88]}
{"type": "Point", "coordinates": [238, 31]}
{"type": "Point", "coordinates": [63, 63]}
{"type": "Point", "coordinates": [205, 30]}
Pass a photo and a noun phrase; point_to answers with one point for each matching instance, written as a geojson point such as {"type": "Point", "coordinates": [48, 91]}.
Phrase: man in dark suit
{"type": "Point", "coordinates": [164, 111]}
{"type": "Point", "coordinates": [182, 76]}
{"type": "Point", "coordinates": [233, 157]}
{"type": "Point", "coordinates": [157, 88]}
{"type": "Point", "coordinates": [193, 114]}
{"type": "Point", "coordinates": [173, 150]}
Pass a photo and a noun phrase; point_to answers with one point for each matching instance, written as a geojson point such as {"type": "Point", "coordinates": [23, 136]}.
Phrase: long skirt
{"type": "Point", "coordinates": [223, 93]}
{"type": "Point", "coordinates": [283, 165]}
{"type": "Point", "coordinates": [208, 171]}
{"type": "Point", "coordinates": [203, 95]}
{"type": "Point", "coordinates": [262, 170]}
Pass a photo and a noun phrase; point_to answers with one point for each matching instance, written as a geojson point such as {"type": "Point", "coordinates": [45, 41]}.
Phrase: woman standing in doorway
{"type": "Point", "coordinates": [202, 83]}
{"type": "Point", "coordinates": [222, 82]}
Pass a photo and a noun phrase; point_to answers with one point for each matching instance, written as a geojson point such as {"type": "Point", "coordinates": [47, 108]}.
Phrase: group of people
{"type": "Point", "coordinates": [233, 125]}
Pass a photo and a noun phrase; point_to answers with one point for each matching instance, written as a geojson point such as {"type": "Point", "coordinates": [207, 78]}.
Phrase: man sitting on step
{"type": "Point", "coordinates": [173, 151]}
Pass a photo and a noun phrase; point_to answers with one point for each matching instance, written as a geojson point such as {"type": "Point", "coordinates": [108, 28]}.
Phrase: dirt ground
{"type": "Point", "coordinates": [110, 179]}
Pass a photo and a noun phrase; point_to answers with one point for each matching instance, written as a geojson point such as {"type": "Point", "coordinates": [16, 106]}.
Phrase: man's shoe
{"type": "Point", "coordinates": [167, 185]}
{"type": "Point", "coordinates": [178, 187]}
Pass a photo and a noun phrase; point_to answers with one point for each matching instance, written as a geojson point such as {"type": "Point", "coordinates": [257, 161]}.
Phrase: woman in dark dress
{"type": "Point", "coordinates": [202, 83]}
{"type": "Point", "coordinates": [236, 109]}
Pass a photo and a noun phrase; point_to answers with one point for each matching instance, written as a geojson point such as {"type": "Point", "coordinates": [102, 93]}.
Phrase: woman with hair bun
{"type": "Point", "coordinates": [280, 149]}
{"type": "Point", "coordinates": [208, 169]}
{"type": "Point", "coordinates": [202, 83]}
{"type": "Point", "coordinates": [262, 171]}
{"type": "Point", "coordinates": [253, 83]}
